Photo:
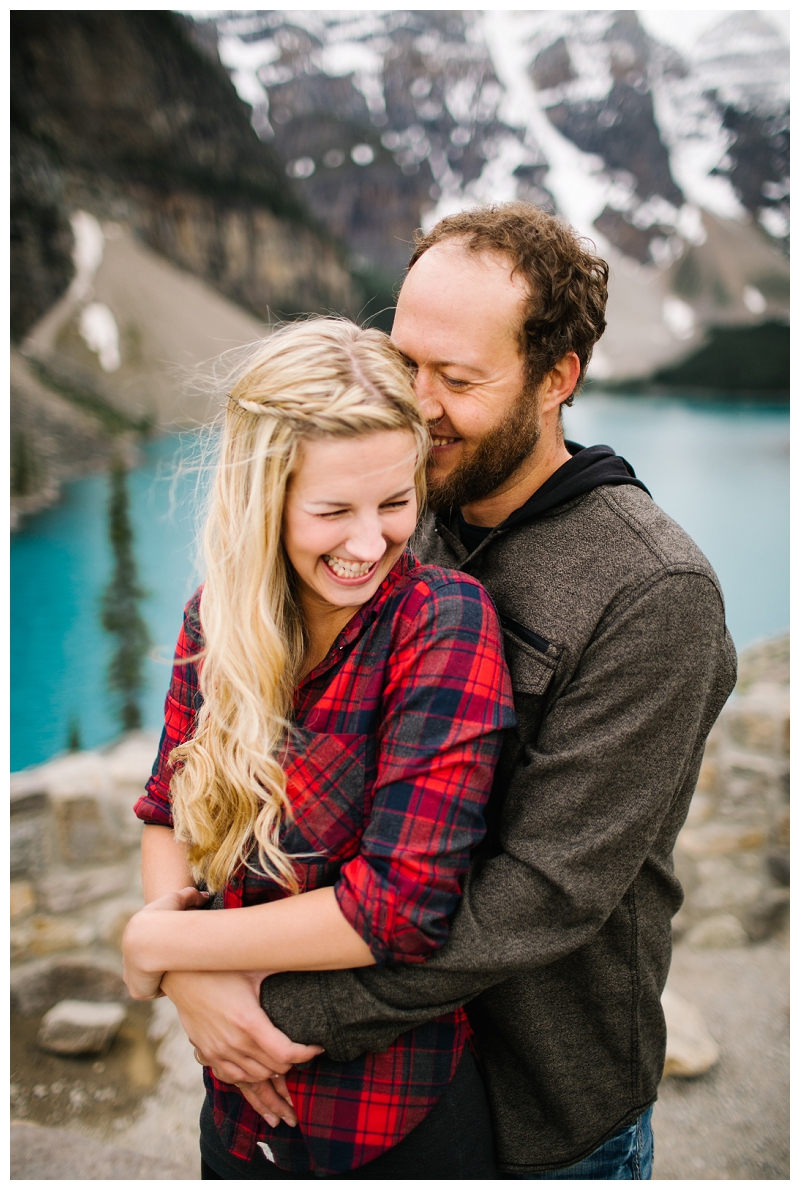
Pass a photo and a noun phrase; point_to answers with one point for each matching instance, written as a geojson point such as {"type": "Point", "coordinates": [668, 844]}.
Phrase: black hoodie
{"type": "Point", "coordinates": [590, 467]}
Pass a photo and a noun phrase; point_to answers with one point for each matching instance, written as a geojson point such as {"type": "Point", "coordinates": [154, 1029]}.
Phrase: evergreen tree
{"type": "Point", "coordinates": [73, 736]}
{"type": "Point", "coordinates": [120, 607]}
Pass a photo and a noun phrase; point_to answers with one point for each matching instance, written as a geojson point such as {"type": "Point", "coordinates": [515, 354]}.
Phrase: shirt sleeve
{"type": "Point", "coordinates": [446, 701]}
{"type": "Point", "coordinates": [180, 711]}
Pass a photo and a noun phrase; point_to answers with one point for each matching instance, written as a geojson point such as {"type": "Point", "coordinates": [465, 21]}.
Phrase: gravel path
{"type": "Point", "coordinates": [734, 1121]}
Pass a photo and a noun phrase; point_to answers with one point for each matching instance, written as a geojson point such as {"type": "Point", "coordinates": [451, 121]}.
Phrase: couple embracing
{"type": "Point", "coordinates": [438, 784]}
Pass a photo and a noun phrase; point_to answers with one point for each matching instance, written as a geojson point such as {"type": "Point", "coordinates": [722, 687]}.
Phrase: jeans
{"type": "Point", "coordinates": [628, 1155]}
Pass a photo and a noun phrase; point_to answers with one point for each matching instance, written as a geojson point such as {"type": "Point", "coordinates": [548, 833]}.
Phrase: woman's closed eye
{"type": "Point", "coordinates": [389, 506]}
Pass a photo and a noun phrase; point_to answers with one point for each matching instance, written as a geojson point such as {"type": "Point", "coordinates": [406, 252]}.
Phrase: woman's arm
{"type": "Point", "coordinates": [165, 868]}
{"type": "Point", "coordinates": [302, 933]}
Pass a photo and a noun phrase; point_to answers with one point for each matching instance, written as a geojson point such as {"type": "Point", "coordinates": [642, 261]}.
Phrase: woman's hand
{"type": "Point", "coordinates": [223, 1018]}
{"type": "Point", "coordinates": [143, 982]}
{"type": "Point", "coordinates": [271, 1099]}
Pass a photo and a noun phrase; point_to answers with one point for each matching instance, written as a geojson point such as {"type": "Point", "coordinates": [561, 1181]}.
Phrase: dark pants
{"type": "Point", "coordinates": [453, 1141]}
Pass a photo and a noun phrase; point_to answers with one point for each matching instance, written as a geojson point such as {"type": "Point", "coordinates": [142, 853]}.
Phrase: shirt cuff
{"type": "Point", "coordinates": [371, 908]}
{"type": "Point", "coordinates": [153, 812]}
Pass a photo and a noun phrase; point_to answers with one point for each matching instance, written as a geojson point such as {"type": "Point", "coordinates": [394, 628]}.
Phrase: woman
{"type": "Point", "coordinates": [332, 728]}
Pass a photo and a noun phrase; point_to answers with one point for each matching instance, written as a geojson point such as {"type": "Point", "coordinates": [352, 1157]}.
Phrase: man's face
{"type": "Point", "coordinates": [457, 320]}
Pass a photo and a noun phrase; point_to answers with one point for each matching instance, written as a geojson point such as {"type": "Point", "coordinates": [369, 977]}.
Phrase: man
{"type": "Point", "coordinates": [620, 659]}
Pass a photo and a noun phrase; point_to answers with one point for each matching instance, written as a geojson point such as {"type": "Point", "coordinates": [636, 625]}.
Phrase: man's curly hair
{"type": "Point", "coordinates": [567, 284]}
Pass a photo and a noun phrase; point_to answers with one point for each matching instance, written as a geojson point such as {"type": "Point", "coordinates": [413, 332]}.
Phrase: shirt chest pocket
{"type": "Point", "coordinates": [325, 783]}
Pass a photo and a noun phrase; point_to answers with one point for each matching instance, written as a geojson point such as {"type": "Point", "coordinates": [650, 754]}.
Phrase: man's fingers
{"type": "Point", "coordinates": [192, 898]}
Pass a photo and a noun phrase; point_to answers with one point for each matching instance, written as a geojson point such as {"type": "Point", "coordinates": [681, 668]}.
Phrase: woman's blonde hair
{"type": "Point", "coordinates": [320, 378]}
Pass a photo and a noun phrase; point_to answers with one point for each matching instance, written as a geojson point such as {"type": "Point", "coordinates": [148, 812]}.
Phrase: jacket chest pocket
{"type": "Point", "coordinates": [532, 669]}
{"type": "Point", "coordinates": [325, 783]}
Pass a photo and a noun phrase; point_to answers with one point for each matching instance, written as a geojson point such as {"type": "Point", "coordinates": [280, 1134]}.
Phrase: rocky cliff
{"type": "Point", "coordinates": [125, 117]}
{"type": "Point", "coordinates": [150, 230]}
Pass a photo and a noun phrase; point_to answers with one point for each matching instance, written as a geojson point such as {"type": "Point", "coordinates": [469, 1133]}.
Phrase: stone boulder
{"type": "Point", "coordinates": [691, 1050]}
{"type": "Point", "coordinates": [36, 986]}
{"type": "Point", "coordinates": [80, 1027]}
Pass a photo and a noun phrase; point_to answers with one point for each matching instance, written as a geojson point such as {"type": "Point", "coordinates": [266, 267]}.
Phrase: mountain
{"type": "Point", "coordinates": [150, 229]}
{"type": "Point", "coordinates": [676, 165]}
{"type": "Point", "coordinates": [128, 118]}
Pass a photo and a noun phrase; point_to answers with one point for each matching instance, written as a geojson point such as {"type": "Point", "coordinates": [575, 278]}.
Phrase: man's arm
{"type": "Point", "coordinates": [579, 818]}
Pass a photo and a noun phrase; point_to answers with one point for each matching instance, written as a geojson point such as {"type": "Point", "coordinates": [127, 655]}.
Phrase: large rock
{"type": "Point", "coordinates": [41, 935]}
{"type": "Point", "coordinates": [61, 891]}
{"type": "Point", "coordinates": [759, 720]}
{"type": "Point", "coordinates": [719, 932]}
{"type": "Point", "coordinates": [724, 884]}
{"type": "Point", "coordinates": [85, 832]}
{"type": "Point", "coordinates": [29, 838]}
{"type": "Point", "coordinates": [22, 898]}
{"type": "Point", "coordinates": [691, 1050]}
{"type": "Point", "coordinates": [80, 1027]}
{"type": "Point", "coordinates": [720, 838]}
{"type": "Point", "coordinates": [113, 918]}
{"type": "Point", "coordinates": [36, 986]}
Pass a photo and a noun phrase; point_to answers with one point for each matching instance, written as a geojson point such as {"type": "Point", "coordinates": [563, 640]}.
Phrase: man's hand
{"type": "Point", "coordinates": [222, 1016]}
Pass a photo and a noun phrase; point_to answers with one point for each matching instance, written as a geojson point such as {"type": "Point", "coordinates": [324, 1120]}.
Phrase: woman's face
{"type": "Point", "coordinates": [350, 509]}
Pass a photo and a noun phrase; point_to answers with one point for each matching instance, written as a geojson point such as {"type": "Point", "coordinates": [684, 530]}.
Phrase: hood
{"type": "Point", "coordinates": [590, 467]}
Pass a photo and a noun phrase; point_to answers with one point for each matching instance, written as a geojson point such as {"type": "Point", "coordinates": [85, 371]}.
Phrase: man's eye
{"type": "Point", "coordinates": [453, 382]}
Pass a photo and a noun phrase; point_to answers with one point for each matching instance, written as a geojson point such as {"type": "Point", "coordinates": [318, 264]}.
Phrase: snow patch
{"type": "Point", "coordinates": [679, 317]}
{"type": "Point", "coordinates": [98, 326]}
{"type": "Point", "coordinates": [754, 299]}
{"type": "Point", "coordinates": [87, 251]}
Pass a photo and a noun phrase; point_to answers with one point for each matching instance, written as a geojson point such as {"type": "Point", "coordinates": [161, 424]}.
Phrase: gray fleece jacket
{"type": "Point", "coordinates": [620, 659]}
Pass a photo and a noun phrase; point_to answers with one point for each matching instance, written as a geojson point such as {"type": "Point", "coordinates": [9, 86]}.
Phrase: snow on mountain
{"type": "Point", "coordinates": [674, 162]}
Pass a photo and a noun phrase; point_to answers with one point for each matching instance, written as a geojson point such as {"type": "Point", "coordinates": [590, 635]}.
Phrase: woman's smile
{"type": "Point", "coordinates": [350, 573]}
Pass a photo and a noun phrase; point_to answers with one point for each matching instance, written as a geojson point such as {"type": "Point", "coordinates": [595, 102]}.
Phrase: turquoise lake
{"type": "Point", "coordinates": [721, 470]}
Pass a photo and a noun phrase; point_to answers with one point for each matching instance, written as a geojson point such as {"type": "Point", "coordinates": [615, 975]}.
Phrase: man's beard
{"type": "Point", "coordinates": [493, 461]}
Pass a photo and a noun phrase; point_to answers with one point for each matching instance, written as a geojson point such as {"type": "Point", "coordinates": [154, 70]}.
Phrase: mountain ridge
{"type": "Point", "coordinates": [650, 152]}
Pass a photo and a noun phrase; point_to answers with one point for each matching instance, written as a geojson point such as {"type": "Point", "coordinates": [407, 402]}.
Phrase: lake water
{"type": "Point", "coordinates": [721, 470]}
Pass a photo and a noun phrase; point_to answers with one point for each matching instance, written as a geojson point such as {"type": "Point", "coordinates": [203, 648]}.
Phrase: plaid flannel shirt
{"type": "Point", "coordinates": [397, 734]}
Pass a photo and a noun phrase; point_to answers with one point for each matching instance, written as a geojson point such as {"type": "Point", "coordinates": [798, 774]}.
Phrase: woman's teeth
{"type": "Point", "coordinates": [344, 569]}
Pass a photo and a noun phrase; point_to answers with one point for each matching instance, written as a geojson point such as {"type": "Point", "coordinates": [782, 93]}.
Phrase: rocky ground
{"type": "Point", "coordinates": [730, 1123]}
{"type": "Point", "coordinates": [132, 1112]}
{"type": "Point", "coordinates": [733, 1121]}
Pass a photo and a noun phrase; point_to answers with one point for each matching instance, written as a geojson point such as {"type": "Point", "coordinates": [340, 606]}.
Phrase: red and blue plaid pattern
{"type": "Point", "coordinates": [397, 733]}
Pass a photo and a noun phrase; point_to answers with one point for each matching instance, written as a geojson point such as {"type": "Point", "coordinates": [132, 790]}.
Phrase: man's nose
{"type": "Point", "coordinates": [425, 388]}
